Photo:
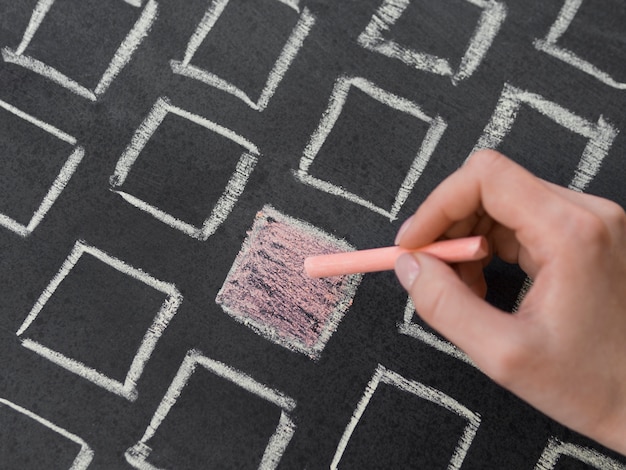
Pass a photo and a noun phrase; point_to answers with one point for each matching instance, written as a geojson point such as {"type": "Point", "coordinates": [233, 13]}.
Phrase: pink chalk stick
{"type": "Point", "coordinates": [457, 250]}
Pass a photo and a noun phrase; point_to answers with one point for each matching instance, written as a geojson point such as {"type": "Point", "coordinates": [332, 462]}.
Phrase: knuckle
{"type": "Point", "coordinates": [485, 158]}
{"type": "Point", "coordinates": [615, 216]}
{"type": "Point", "coordinates": [589, 228]}
{"type": "Point", "coordinates": [505, 367]}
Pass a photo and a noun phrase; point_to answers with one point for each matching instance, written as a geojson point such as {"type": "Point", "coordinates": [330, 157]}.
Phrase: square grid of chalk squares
{"type": "Point", "coordinates": [29, 436]}
{"type": "Point", "coordinates": [50, 31]}
{"type": "Point", "coordinates": [210, 44]}
{"type": "Point", "coordinates": [227, 159]}
{"type": "Point", "coordinates": [32, 148]}
{"type": "Point", "coordinates": [90, 299]}
{"type": "Point", "coordinates": [259, 426]}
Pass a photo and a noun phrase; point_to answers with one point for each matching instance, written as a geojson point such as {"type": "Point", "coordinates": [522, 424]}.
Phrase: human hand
{"type": "Point", "coordinates": [564, 350]}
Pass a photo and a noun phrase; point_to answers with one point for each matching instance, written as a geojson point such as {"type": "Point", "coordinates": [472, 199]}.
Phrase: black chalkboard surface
{"type": "Point", "coordinates": [164, 167]}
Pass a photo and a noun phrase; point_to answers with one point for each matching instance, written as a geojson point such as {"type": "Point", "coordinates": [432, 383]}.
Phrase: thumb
{"type": "Point", "coordinates": [448, 305]}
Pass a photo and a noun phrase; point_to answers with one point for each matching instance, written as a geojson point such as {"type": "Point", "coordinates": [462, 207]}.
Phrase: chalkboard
{"type": "Point", "coordinates": [164, 167]}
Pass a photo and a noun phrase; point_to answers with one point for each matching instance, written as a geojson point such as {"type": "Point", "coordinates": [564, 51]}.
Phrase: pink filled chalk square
{"type": "Point", "coordinates": [268, 290]}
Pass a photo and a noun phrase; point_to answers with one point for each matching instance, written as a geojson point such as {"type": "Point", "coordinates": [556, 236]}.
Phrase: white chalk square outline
{"type": "Point", "coordinates": [555, 449]}
{"type": "Point", "coordinates": [339, 96]}
{"type": "Point", "coordinates": [372, 38]}
{"type": "Point", "coordinates": [386, 376]}
{"type": "Point", "coordinates": [138, 454]}
{"type": "Point", "coordinates": [415, 330]}
{"type": "Point", "coordinates": [85, 454]}
{"type": "Point", "coordinates": [268, 332]}
{"type": "Point", "coordinates": [121, 57]}
{"type": "Point", "coordinates": [287, 55]}
{"type": "Point", "coordinates": [127, 389]}
{"type": "Point", "coordinates": [550, 45]}
{"type": "Point", "coordinates": [600, 135]}
{"type": "Point", "coordinates": [225, 203]}
{"type": "Point", "coordinates": [61, 180]}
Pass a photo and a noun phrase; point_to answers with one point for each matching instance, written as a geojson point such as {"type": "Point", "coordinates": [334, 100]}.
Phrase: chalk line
{"type": "Point", "coordinates": [48, 72]}
{"type": "Point", "coordinates": [550, 46]}
{"type": "Point", "coordinates": [335, 107]}
{"type": "Point", "coordinates": [555, 449]}
{"type": "Point", "coordinates": [59, 183]}
{"type": "Point", "coordinates": [49, 128]}
{"type": "Point", "coordinates": [39, 13]}
{"type": "Point", "coordinates": [57, 187]}
{"type": "Point", "coordinates": [490, 22]}
{"type": "Point", "coordinates": [84, 456]}
{"type": "Point", "coordinates": [128, 46]}
{"type": "Point", "coordinates": [225, 203]}
{"type": "Point", "coordinates": [386, 376]}
{"type": "Point", "coordinates": [138, 454]}
{"type": "Point", "coordinates": [287, 55]}
{"type": "Point", "coordinates": [600, 135]}
{"type": "Point", "coordinates": [128, 388]}
{"type": "Point", "coordinates": [528, 283]}
{"type": "Point", "coordinates": [410, 328]}
{"type": "Point", "coordinates": [207, 22]}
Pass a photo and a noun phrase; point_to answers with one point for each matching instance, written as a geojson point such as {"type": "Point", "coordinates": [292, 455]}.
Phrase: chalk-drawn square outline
{"type": "Point", "coordinates": [386, 376]}
{"type": "Point", "coordinates": [410, 328]}
{"type": "Point", "coordinates": [121, 57]}
{"type": "Point", "coordinates": [550, 46]}
{"type": "Point", "coordinates": [278, 442]}
{"type": "Point", "coordinates": [168, 309]}
{"type": "Point", "coordinates": [234, 188]}
{"type": "Point", "coordinates": [555, 449]}
{"type": "Point", "coordinates": [85, 454]}
{"type": "Point", "coordinates": [287, 55]}
{"type": "Point", "coordinates": [66, 172]}
{"type": "Point", "coordinates": [600, 135]}
{"type": "Point", "coordinates": [333, 111]}
{"type": "Point", "coordinates": [491, 19]}
{"type": "Point", "coordinates": [314, 352]}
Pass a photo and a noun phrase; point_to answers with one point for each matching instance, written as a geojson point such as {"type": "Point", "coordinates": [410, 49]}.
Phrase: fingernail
{"type": "Point", "coordinates": [407, 270]}
{"type": "Point", "coordinates": [402, 229]}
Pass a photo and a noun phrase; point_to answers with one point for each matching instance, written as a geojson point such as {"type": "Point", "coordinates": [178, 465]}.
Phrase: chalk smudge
{"type": "Point", "coordinates": [268, 290]}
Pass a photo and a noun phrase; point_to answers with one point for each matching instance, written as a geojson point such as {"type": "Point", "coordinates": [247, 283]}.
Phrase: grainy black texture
{"type": "Point", "coordinates": [79, 38]}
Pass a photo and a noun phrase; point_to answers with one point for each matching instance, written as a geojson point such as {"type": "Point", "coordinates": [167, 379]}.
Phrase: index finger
{"type": "Point", "coordinates": [510, 194]}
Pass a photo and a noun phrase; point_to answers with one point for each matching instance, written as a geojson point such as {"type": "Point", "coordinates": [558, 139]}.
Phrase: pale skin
{"type": "Point", "coordinates": [564, 350]}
